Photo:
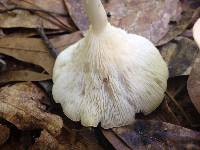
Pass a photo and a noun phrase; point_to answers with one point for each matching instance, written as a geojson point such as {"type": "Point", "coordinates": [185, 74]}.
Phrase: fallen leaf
{"type": "Point", "coordinates": [33, 50]}
{"type": "Point", "coordinates": [194, 84]}
{"type": "Point", "coordinates": [30, 50]}
{"type": "Point", "coordinates": [22, 75]}
{"type": "Point", "coordinates": [64, 41]}
{"type": "Point", "coordinates": [163, 113]}
{"type": "Point", "coordinates": [20, 105]}
{"type": "Point", "coordinates": [147, 18]}
{"type": "Point", "coordinates": [66, 140]}
{"type": "Point", "coordinates": [179, 55]}
{"type": "Point", "coordinates": [180, 104]}
{"type": "Point", "coordinates": [114, 140]}
{"type": "Point", "coordinates": [55, 6]}
{"type": "Point", "coordinates": [29, 14]}
{"type": "Point", "coordinates": [177, 28]}
{"type": "Point", "coordinates": [19, 140]}
{"type": "Point", "coordinates": [46, 142]}
{"type": "Point", "coordinates": [5, 133]}
{"type": "Point", "coordinates": [156, 135]}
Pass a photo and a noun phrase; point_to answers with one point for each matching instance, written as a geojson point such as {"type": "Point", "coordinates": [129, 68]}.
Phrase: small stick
{"type": "Point", "coordinates": [179, 107]}
{"type": "Point", "coordinates": [51, 48]}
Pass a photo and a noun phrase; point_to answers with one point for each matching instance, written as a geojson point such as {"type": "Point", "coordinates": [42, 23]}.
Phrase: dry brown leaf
{"type": "Point", "coordinates": [179, 55]}
{"type": "Point", "coordinates": [33, 50]}
{"type": "Point", "coordinates": [148, 18]}
{"type": "Point", "coordinates": [46, 142]}
{"type": "Point", "coordinates": [26, 18]}
{"type": "Point", "coordinates": [4, 135]}
{"type": "Point", "coordinates": [156, 135]}
{"type": "Point", "coordinates": [19, 140]}
{"type": "Point", "coordinates": [22, 75]}
{"type": "Point", "coordinates": [30, 50]}
{"type": "Point", "coordinates": [20, 105]}
{"type": "Point", "coordinates": [65, 141]}
{"type": "Point", "coordinates": [62, 42]}
{"type": "Point", "coordinates": [194, 84]}
{"type": "Point", "coordinates": [56, 6]}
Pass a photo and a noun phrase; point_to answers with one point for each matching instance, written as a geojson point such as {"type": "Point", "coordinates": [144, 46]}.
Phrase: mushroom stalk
{"type": "Point", "coordinates": [96, 15]}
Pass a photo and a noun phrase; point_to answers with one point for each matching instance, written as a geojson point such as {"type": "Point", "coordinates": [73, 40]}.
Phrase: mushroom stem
{"type": "Point", "coordinates": [96, 14]}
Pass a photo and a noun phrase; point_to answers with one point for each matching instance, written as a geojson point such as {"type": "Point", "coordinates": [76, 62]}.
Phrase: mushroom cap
{"type": "Point", "coordinates": [196, 32]}
{"type": "Point", "coordinates": [107, 78]}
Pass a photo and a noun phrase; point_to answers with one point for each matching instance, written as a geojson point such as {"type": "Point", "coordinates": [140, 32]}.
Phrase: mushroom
{"type": "Point", "coordinates": [109, 75]}
{"type": "Point", "coordinates": [196, 32]}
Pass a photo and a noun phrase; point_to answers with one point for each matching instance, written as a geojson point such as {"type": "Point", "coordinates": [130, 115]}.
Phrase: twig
{"type": "Point", "coordinates": [178, 106]}
{"type": "Point", "coordinates": [51, 48]}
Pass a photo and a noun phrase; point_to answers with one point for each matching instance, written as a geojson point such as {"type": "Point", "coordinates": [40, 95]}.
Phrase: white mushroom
{"type": "Point", "coordinates": [196, 32]}
{"type": "Point", "coordinates": [109, 75]}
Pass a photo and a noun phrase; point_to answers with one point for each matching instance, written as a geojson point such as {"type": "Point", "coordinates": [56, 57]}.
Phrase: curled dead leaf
{"type": "Point", "coordinates": [156, 135]}
{"type": "Point", "coordinates": [4, 135]}
{"type": "Point", "coordinates": [20, 105]}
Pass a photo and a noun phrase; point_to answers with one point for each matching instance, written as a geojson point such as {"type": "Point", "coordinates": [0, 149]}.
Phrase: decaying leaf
{"type": "Point", "coordinates": [194, 84]}
{"type": "Point", "coordinates": [4, 134]}
{"type": "Point", "coordinates": [156, 135]}
{"type": "Point", "coordinates": [30, 50]}
{"type": "Point", "coordinates": [162, 113]}
{"type": "Point", "coordinates": [62, 42]}
{"type": "Point", "coordinates": [46, 142]}
{"type": "Point", "coordinates": [177, 28]}
{"type": "Point", "coordinates": [33, 50]}
{"type": "Point", "coordinates": [22, 75]}
{"type": "Point", "coordinates": [147, 18]}
{"type": "Point", "coordinates": [20, 105]}
{"type": "Point", "coordinates": [115, 141]}
{"type": "Point", "coordinates": [180, 55]}
{"type": "Point", "coordinates": [65, 141]}
{"type": "Point", "coordinates": [29, 14]}
{"type": "Point", "coordinates": [180, 103]}
{"type": "Point", "coordinates": [55, 6]}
